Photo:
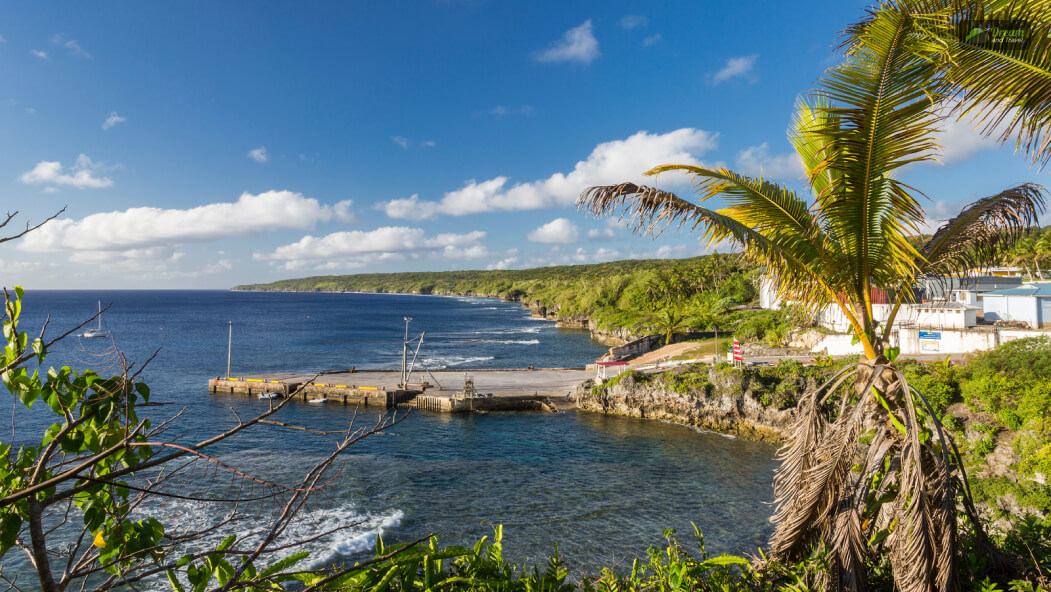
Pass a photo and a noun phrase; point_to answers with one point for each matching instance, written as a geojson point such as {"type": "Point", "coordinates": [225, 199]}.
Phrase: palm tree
{"type": "Point", "coordinates": [1024, 252]}
{"type": "Point", "coordinates": [1043, 249]}
{"type": "Point", "coordinates": [876, 112]}
{"type": "Point", "coordinates": [669, 323]}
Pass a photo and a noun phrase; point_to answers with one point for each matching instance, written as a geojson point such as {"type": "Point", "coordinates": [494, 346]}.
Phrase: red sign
{"type": "Point", "coordinates": [738, 356]}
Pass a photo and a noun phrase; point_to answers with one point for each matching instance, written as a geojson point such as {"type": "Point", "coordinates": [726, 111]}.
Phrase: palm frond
{"type": "Point", "coordinates": [848, 545]}
{"type": "Point", "coordinates": [980, 233]}
{"type": "Point", "coordinates": [883, 121]}
{"type": "Point", "coordinates": [916, 550]}
{"type": "Point", "coordinates": [654, 210]}
{"type": "Point", "coordinates": [797, 457]}
{"type": "Point", "coordinates": [1005, 91]}
{"type": "Point", "coordinates": [812, 147]}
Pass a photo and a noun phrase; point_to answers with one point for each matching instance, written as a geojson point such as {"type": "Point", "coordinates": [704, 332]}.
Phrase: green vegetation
{"type": "Point", "coordinates": [676, 566]}
{"type": "Point", "coordinates": [650, 295]}
{"type": "Point", "coordinates": [1013, 385]}
{"type": "Point", "coordinates": [850, 238]}
{"type": "Point", "coordinates": [91, 484]}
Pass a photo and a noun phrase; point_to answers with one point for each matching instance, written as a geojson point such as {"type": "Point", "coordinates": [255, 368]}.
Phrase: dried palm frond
{"type": "Point", "coordinates": [983, 230]}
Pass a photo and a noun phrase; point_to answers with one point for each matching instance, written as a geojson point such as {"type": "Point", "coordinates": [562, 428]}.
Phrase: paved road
{"type": "Point", "coordinates": [547, 381]}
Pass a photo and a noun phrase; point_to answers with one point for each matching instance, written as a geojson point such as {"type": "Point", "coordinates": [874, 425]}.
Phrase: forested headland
{"type": "Point", "coordinates": [631, 297]}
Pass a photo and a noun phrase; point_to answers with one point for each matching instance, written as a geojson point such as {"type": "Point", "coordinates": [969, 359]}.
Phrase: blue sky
{"type": "Point", "coordinates": [203, 145]}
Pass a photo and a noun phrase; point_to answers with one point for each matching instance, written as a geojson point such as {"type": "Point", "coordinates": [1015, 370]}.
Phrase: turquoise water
{"type": "Point", "coordinates": [602, 488]}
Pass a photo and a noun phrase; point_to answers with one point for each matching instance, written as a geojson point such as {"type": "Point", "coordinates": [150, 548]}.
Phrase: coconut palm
{"type": "Point", "coordinates": [670, 323]}
{"type": "Point", "coordinates": [1025, 253]}
{"type": "Point", "coordinates": [880, 110]}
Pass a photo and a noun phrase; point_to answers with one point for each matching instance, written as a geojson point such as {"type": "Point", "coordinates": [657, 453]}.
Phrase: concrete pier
{"type": "Point", "coordinates": [545, 389]}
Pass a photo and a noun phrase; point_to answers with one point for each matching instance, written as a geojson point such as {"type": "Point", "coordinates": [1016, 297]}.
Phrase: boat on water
{"type": "Point", "coordinates": [269, 395]}
{"type": "Point", "coordinates": [96, 332]}
{"type": "Point", "coordinates": [321, 400]}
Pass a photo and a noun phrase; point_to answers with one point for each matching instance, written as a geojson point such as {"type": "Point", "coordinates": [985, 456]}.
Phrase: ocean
{"type": "Point", "coordinates": [602, 488]}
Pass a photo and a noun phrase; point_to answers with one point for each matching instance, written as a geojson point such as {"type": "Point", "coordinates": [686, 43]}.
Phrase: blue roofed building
{"type": "Point", "coordinates": [1029, 303]}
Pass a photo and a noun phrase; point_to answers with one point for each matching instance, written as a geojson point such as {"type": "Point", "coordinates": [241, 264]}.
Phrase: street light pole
{"type": "Point", "coordinates": [405, 351]}
{"type": "Point", "coordinates": [229, 348]}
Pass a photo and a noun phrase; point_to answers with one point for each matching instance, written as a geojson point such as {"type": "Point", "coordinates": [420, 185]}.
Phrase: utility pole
{"type": "Point", "coordinates": [405, 351]}
{"type": "Point", "coordinates": [229, 348]}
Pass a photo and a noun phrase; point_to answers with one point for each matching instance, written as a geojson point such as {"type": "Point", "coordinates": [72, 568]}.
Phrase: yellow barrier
{"type": "Point", "coordinates": [254, 380]}
{"type": "Point", "coordinates": [275, 382]}
{"type": "Point", "coordinates": [368, 388]}
{"type": "Point", "coordinates": [320, 384]}
{"type": "Point", "coordinates": [341, 386]}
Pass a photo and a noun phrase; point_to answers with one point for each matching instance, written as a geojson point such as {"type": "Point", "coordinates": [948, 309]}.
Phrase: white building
{"type": "Point", "coordinates": [940, 315]}
{"type": "Point", "coordinates": [1028, 303]}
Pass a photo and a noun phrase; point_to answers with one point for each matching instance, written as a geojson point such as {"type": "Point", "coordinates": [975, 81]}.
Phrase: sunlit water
{"type": "Point", "coordinates": [602, 488]}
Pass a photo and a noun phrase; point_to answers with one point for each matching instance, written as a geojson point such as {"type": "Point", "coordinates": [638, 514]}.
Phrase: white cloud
{"type": "Point", "coordinates": [259, 154]}
{"type": "Point", "coordinates": [401, 141]}
{"type": "Point", "coordinates": [358, 248]}
{"type": "Point", "coordinates": [633, 21]}
{"type": "Point", "coordinates": [651, 40]}
{"type": "Point", "coordinates": [71, 46]}
{"type": "Point", "coordinates": [740, 66]}
{"type": "Point", "coordinates": [757, 161]}
{"type": "Point", "coordinates": [559, 231]}
{"type": "Point", "coordinates": [341, 211]}
{"type": "Point", "coordinates": [428, 144]}
{"type": "Point", "coordinates": [219, 266]}
{"type": "Point", "coordinates": [113, 120]}
{"type": "Point", "coordinates": [8, 267]}
{"type": "Point", "coordinates": [610, 162]}
{"type": "Point", "coordinates": [577, 45]}
{"type": "Point", "coordinates": [961, 140]}
{"type": "Point", "coordinates": [2, 40]}
{"type": "Point", "coordinates": [30, 110]}
{"type": "Point", "coordinates": [505, 263]}
{"type": "Point", "coordinates": [136, 259]}
{"type": "Point", "coordinates": [81, 175]}
{"type": "Point", "coordinates": [500, 111]}
{"type": "Point", "coordinates": [410, 208]}
{"type": "Point", "coordinates": [577, 257]}
{"type": "Point", "coordinates": [40, 54]}
{"type": "Point", "coordinates": [607, 233]}
{"type": "Point", "coordinates": [137, 230]}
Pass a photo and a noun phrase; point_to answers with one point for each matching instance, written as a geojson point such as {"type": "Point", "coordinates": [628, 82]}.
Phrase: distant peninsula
{"type": "Point", "coordinates": [617, 301]}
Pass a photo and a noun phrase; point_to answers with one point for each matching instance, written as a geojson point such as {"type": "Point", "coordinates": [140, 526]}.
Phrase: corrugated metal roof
{"type": "Point", "coordinates": [941, 286]}
{"type": "Point", "coordinates": [1037, 289]}
{"type": "Point", "coordinates": [940, 306]}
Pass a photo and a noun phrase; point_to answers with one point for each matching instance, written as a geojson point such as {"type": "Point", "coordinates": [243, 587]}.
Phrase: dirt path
{"type": "Point", "coordinates": [665, 353]}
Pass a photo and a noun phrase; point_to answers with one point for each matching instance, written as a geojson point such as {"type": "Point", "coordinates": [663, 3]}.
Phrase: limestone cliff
{"type": "Point", "coordinates": [718, 399]}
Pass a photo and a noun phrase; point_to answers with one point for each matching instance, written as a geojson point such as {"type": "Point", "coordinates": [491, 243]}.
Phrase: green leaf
{"type": "Point", "coordinates": [226, 543]}
{"type": "Point", "coordinates": [284, 563]}
{"type": "Point", "coordinates": [9, 527]}
{"type": "Point", "coordinates": [173, 580]}
{"type": "Point", "coordinates": [725, 560]}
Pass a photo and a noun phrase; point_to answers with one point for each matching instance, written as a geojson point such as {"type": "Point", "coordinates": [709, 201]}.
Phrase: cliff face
{"type": "Point", "coordinates": [723, 403]}
{"type": "Point", "coordinates": [618, 336]}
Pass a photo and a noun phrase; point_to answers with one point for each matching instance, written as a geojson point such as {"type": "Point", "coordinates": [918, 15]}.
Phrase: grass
{"type": "Point", "coordinates": [705, 348]}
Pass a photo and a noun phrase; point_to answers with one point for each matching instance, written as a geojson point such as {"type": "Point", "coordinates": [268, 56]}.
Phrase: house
{"type": "Point", "coordinates": [1029, 303]}
{"type": "Point", "coordinates": [941, 315]}
{"type": "Point", "coordinates": [967, 290]}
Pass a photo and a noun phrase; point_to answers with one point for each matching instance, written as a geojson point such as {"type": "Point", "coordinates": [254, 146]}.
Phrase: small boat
{"type": "Point", "coordinates": [321, 400]}
{"type": "Point", "coordinates": [269, 395]}
{"type": "Point", "coordinates": [96, 332]}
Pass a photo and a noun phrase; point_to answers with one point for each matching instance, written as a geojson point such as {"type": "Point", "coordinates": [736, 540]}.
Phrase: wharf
{"type": "Point", "coordinates": [545, 389]}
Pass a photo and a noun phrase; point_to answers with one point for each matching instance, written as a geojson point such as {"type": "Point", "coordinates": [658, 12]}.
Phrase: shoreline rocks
{"type": "Point", "coordinates": [722, 403]}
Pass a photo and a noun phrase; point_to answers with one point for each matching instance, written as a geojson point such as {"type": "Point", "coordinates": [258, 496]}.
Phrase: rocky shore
{"type": "Point", "coordinates": [720, 401]}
